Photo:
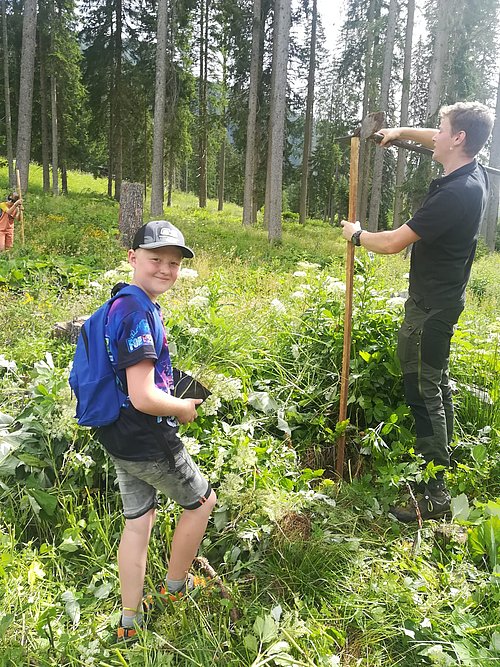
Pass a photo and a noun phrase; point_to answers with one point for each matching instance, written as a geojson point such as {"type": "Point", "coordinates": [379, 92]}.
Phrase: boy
{"type": "Point", "coordinates": [143, 443]}
{"type": "Point", "coordinates": [9, 212]}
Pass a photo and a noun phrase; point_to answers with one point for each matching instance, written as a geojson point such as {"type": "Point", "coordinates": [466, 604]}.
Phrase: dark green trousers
{"type": "Point", "coordinates": [424, 351]}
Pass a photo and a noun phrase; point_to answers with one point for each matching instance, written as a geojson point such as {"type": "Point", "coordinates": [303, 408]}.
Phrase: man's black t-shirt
{"type": "Point", "coordinates": [448, 225]}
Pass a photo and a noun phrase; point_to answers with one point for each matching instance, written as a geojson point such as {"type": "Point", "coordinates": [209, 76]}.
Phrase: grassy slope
{"type": "Point", "coordinates": [326, 579]}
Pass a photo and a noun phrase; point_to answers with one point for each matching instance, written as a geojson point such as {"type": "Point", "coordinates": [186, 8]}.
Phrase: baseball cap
{"type": "Point", "coordinates": [158, 234]}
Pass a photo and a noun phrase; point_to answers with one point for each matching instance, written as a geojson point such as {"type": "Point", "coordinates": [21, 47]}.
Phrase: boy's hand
{"type": "Point", "coordinates": [187, 411]}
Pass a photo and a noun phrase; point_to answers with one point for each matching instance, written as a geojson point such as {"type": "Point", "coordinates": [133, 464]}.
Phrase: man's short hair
{"type": "Point", "coordinates": [475, 119]}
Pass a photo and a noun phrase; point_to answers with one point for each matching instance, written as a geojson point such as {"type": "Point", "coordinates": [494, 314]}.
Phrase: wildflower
{"type": "Point", "coordinates": [334, 286]}
{"type": "Point", "coordinates": [5, 363]}
{"type": "Point", "coordinates": [191, 444]}
{"type": "Point", "coordinates": [95, 283]}
{"type": "Point", "coordinates": [198, 301]}
{"type": "Point", "coordinates": [189, 274]}
{"type": "Point", "coordinates": [298, 295]}
{"type": "Point", "coordinates": [308, 265]}
{"type": "Point", "coordinates": [299, 274]}
{"type": "Point", "coordinates": [395, 302]}
{"type": "Point", "coordinates": [278, 306]}
{"type": "Point", "coordinates": [305, 287]}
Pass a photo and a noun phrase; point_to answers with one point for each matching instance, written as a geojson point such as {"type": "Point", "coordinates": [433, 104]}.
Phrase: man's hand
{"type": "Point", "coordinates": [349, 228]}
{"type": "Point", "coordinates": [389, 134]}
{"type": "Point", "coordinates": [186, 412]}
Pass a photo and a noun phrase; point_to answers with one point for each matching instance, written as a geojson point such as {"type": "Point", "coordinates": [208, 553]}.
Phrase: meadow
{"type": "Point", "coordinates": [318, 573]}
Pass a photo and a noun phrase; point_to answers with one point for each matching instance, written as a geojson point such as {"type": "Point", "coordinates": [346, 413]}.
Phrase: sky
{"type": "Point", "coordinates": [331, 12]}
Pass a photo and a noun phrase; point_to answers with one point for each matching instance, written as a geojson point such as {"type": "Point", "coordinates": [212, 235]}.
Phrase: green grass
{"type": "Point", "coordinates": [319, 573]}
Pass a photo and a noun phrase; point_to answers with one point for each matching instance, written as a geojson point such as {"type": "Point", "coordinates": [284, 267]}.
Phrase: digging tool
{"type": "Point", "coordinates": [21, 215]}
{"type": "Point", "coordinates": [349, 279]}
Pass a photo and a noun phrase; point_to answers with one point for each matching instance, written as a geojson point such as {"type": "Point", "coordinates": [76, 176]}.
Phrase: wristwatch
{"type": "Point", "coordinates": [355, 240]}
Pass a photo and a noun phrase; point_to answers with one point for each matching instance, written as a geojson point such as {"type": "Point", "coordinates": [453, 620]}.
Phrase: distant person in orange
{"type": "Point", "coordinates": [10, 211]}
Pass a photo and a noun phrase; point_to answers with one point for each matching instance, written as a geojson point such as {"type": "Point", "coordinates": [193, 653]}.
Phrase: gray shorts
{"type": "Point", "coordinates": [140, 480]}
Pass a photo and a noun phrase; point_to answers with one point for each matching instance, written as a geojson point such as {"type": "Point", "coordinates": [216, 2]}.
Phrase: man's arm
{"type": "Point", "coordinates": [422, 135]}
{"type": "Point", "coordinates": [384, 243]}
{"type": "Point", "coordinates": [146, 397]}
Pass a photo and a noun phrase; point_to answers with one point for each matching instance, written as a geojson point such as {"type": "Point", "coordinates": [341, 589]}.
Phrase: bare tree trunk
{"type": "Point", "coordinates": [118, 161]}
{"type": "Point", "coordinates": [53, 106]}
{"type": "Point", "coordinates": [171, 173]}
{"type": "Point", "coordinates": [203, 140]}
{"type": "Point", "coordinates": [490, 222]}
{"type": "Point", "coordinates": [439, 55]}
{"type": "Point", "coordinates": [131, 211]}
{"type": "Point", "coordinates": [23, 148]}
{"type": "Point", "coordinates": [274, 183]}
{"type": "Point", "coordinates": [6, 81]}
{"type": "Point", "coordinates": [222, 150]}
{"type": "Point", "coordinates": [44, 126]}
{"type": "Point", "coordinates": [159, 117]}
{"type": "Point", "coordinates": [378, 166]}
{"type": "Point", "coordinates": [365, 147]}
{"type": "Point", "coordinates": [405, 102]}
{"type": "Point", "coordinates": [308, 129]}
{"type": "Point", "coordinates": [251, 148]}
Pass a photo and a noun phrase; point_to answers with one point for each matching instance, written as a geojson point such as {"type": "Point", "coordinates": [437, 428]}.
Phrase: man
{"type": "Point", "coordinates": [444, 231]}
{"type": "Point", "coordinates": [9, 212]}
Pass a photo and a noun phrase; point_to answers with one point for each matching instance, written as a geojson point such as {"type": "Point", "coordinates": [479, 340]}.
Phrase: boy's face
{"type": "Point", "coordinates": [155, 271]}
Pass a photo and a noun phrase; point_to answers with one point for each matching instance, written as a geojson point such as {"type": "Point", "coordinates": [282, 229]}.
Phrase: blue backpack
{"type": "Point", "coordinates": [98, 389]}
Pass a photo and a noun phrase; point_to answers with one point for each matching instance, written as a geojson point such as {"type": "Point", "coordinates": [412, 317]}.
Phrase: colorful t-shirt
{"type": "Point", "coordinates": [134, 333]}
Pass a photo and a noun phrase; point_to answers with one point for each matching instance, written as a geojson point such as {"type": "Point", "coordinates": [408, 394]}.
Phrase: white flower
{"type": "Point", "coordinates": [191, 444]}
{"type": "Point", "coordinates": [334, 286]}
{"type": "Point", "coordinates": [278, 306]}
{"type": "Point", "coordinates": [198, 301]}
{"type": "Point", "coordinates": [406, 275]}
{"type": "Point", "coordinates": [189, 274]}
{"type": "Point", "coordinates": [297, 295]}
{"type": "Point", "coordinates": [112, 273]}
{"type": "Point", "coordinates": [308, 265]}
{"type": "Point", "coordinates": [395, 302]}
{"type": "Point", "coordinates": [94, 283]}
{"type": "Point", "coordinates": [299, 274]}
{"type": "Point", "coordinates": [305, 287]}
{"type": "Point", "coordinates": [5, 363]}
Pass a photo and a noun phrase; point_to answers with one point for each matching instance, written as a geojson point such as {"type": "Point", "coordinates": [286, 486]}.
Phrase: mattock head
{"type": "Point", "coordinates": [371, 124]}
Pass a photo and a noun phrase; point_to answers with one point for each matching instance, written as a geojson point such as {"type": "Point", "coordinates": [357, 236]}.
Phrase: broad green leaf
{"type": "Point", "coordinates": [460, 507]}
{"type": "Point", "coordinates": [35, 572]}
{"type": "Point", "coordinates": [47, 501]}
{"type": "Point", "coordinates": [479, 454]}
{"type": "Point", "coordinates": [261, 400]}
{"type": "Point", "coordinates": [5, 419]}
{"type": "Point", "coordinates": [495, 642]}
{"type": "Point", "coordinates": [70, 544]}
{"type": "Point", "coordinates": [250, 642]}
{"type": "Point", "coordinates": [103, 591]}
{"type": "Point", "coordinates": [5, 621]}
{"type": "Point", "coordinates": [32, 460]}
{"type": "Point", "coordinates": [71, 606]}
{"type": "Point", "coordinates": [366, 356]}
{"type": "Point", "coordinates": [265, 627]}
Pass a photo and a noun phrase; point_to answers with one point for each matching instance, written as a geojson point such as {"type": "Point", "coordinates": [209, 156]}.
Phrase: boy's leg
{"type": "Point", "coordinates": [132, 556]}
{"type": "Point", "coordinates": [187, 538]}
{"type": "Point", "coordinates": [2, 240]}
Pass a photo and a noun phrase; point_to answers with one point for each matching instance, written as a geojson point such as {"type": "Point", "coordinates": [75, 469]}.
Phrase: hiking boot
{"type": "Point", "coordinates": [434, 504]}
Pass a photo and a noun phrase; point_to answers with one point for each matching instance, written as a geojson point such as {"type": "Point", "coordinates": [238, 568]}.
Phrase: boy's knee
{"type": "Point", "coordinates": [211, 500]}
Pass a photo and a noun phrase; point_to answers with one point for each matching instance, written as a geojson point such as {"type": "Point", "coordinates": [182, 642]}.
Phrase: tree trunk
{"type": "Point", "coordinates": [53, 107]}
{"type": "Point", "coordinates": [23, 148]}
{"type": "Point", "coordinates": [405, 101]}
{"type": "Point", "coordinates": [222, 150]}
{"type": "Point", "coordinates": [308, 129]}
{"type": "Point", "coordinates": [445, 11]}
{"type": "Point", "coordinates": [118, 152]}
{"type": "Point", "coordinates": [378, 167]}
{"type": "Point", "coordinates": [171, 172]}
{"type": "Point", "coordinates": [274, 183]}
{"type": "Point", "coordinates": [253, 96]}
{"type": "Point", "coordinates": [44, 127]}
{"type": "Point", "coordinates": [490, 222]}
{"type": "Point", "coordinates": [131, 211]}
{"type": "Point", "coordinates": [157, 185]}
{"type": "Point", "coordinates": [6, 81]}
{"type": "Point", "coordinates": [365, 150]}
{"type": "Point", "coordinates": [203, 120]}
